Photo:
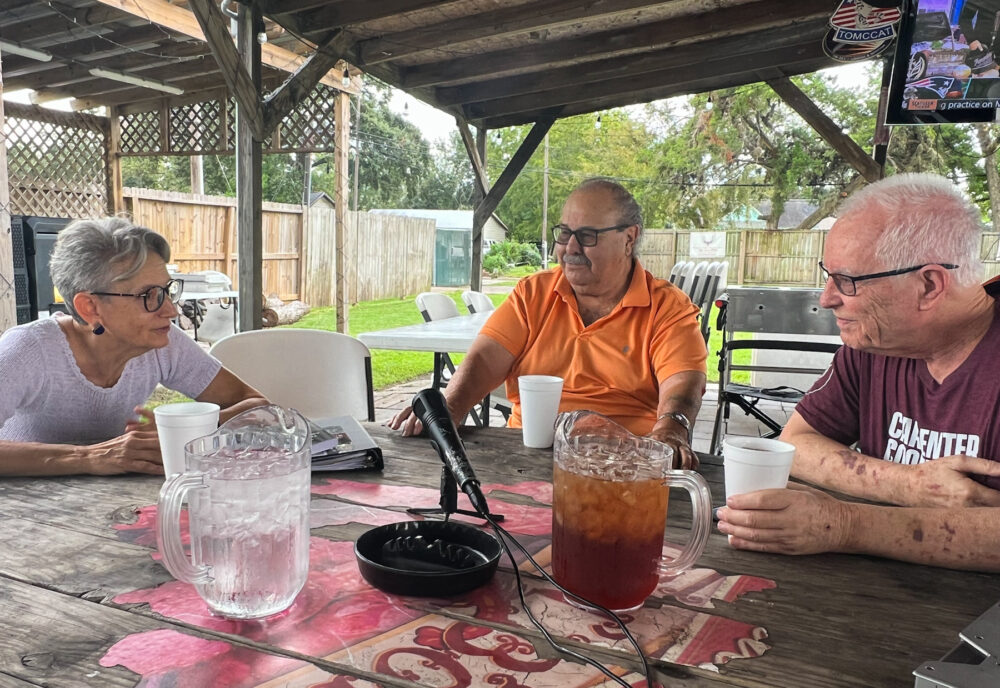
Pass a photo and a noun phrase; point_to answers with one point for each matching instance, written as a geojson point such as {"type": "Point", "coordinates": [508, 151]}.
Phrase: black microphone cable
{"type": "Point", "coordinates": [502, 536]}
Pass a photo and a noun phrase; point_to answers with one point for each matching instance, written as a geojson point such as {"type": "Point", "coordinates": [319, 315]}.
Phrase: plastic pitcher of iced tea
{"type": "Point", "coordinates": [609, 509]}
{"type": "Point", "coordinates": [247, 489]}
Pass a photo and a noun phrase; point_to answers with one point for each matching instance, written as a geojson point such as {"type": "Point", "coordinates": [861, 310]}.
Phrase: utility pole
{"type": "Point", "coordinates": [545, 207]}
{"type": "Point", "coordinates": [357, 152]}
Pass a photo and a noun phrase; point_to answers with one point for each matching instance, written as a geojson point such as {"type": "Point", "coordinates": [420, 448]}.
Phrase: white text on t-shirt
{"type": "Point", "coordinates": [909, 443]}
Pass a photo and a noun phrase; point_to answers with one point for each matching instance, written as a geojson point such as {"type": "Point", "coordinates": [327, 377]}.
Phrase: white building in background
{"type": "Point", "coordinates": [453, 241]}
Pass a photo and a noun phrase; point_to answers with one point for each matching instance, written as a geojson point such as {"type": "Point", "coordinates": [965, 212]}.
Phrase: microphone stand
{"type": "Point", "coordinates": [448, 504]}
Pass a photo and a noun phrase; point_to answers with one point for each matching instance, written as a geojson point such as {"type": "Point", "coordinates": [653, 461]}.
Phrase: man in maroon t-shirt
{"type": "Point", "coordinates": [916, 389]}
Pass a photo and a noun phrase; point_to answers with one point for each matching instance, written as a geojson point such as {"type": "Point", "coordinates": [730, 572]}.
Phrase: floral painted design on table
{"type": "Point", "coordinates": [356, 628]}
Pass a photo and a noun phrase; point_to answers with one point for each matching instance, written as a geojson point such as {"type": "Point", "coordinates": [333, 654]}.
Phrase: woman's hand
{"type": "Point", "coordinates": [136, 451]}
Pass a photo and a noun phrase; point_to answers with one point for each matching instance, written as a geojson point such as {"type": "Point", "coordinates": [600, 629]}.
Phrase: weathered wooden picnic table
{"type": "Point", "coordinates": [84, 602]}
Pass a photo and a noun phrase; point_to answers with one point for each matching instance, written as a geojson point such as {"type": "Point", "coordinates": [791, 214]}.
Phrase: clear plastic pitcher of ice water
{"type": "Point", "coordinates": [247, 489]}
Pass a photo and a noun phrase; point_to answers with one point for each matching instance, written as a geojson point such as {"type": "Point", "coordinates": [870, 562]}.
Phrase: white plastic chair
{"type": "Point", "coordinates": [434, 306]}
{"type": "Point", "coordinates": [682, 274]}
{"type": "Point", "coordinates": [677, 273]}
{"type": "Point", "coordinates": [319, 373]}
{"type": "Point", "coordinates": [696, 285]}
{"type": "Point", "coordinates": [477, 301]}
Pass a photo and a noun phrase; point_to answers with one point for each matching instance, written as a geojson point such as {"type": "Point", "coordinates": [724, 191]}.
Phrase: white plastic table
{"type": "Point", "coordinates": [439, 336]}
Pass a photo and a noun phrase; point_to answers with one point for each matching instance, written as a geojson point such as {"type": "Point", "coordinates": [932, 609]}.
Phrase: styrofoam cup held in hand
{"type": "Point", "coordinates": [756, 463]}
{"type": "Point", "coordinates": [178, 424]}
{"type": "Point", "coordinates": [540, 396]}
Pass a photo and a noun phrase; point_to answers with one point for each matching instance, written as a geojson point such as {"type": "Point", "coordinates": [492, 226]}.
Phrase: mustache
{"type": "Point", "coordinates": [575, 259]}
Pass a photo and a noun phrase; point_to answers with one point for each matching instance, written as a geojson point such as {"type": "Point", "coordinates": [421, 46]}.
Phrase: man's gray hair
{"type": "Point", "coordinates": [631, 211]}
{"type": "Point", "coordinates": [927, 220]}
{"type": "Point", "coordinates": [91, 255]}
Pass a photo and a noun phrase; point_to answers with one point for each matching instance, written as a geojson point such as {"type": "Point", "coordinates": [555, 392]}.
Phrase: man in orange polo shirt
{"type": "Point", "coordinates": [625, 343]}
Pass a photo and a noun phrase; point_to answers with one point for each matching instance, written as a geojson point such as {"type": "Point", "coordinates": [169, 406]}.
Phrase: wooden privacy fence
{"type": "Point", "coordinates": [768, 257]}
{"type": "Point", "coordinates": [389, 256]}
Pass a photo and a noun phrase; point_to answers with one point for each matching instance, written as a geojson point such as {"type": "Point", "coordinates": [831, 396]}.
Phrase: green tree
{"type": "Point", "coordinates": [394, 157]}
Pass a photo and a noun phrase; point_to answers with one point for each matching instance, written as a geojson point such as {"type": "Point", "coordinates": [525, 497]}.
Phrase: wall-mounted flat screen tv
{"type": "Point", "coordinates": [945, 69]}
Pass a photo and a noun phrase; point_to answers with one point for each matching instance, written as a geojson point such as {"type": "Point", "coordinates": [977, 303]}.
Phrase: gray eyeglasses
{"type": "Point", "coordinates": [848, 284]}
{"type": "Point", "coordinates": [153, 298]}
{"type": "Point", "coordinates": [586, 236]}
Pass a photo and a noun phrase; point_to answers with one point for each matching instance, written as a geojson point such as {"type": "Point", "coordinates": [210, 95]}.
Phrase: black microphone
{"type": "Point", "coordinates": [430, 408]}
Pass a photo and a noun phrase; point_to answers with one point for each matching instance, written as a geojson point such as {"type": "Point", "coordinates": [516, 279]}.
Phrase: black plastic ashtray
{"type": "Point", "coordinates": [427, 558]}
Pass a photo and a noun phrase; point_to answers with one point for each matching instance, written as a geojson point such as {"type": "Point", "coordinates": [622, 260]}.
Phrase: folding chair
{"type": "Point", "coordinates": [317, 372]}
{"type": "Point", "coordinates": [477, 301]}
{"type": "Point", "coordinates": [715, 283]}
{"type": "Point", "coordinates": [799, 333]}
{"type": "Point", "coordinates": [695, 285]}
{"type": "Point", "coordinates": [681, 272]}
{"type": "Point", "coordinates": [435, 306]}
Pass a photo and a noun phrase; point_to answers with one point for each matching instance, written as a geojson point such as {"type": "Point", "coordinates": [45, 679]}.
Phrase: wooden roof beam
{"type": "Point", "coordinates": [76, 72]}
{"type": "Point", "coordinates": [479, 175]}
{"type": "Point", "coordinates": [829, 130]}
{"type": "Point", "coordinates": [114, 43]}
{"type": "Point", "coordinates": [809, 51]}
{"type": "Point", "coordinates": [185, 22]}
{"type": "Point", "coordinates": [514, 166]}
{"type": "Point", "coordinates": [340, 14]}
{"type": "Point", "coordinates": [95, 87]}
{"type": "Point", "coordinates": [241, 85]}
{"type": "Point", "coordinates": [645, 95]}
{"type": "Point", "coordinates": [499, 22]}
{"type": "Point", "coordinates": [625, 66]}
{"type": "Point", "coordinates": [82, 20]}
{"type": "Point", "coordinates": [300, 85]}
{"type": "Point", "coordinates": [708, 26]}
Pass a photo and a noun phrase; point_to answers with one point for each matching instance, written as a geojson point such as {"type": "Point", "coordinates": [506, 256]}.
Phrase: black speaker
{"type": "Point", "coordinates": [22, 292]}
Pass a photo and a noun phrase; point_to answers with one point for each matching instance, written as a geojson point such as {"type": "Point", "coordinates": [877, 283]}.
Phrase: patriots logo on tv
{"type": "Point", "coordinates": [935, 86]}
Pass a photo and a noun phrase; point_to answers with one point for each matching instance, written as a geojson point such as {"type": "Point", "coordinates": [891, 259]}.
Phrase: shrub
{"type": "Point", "coordinates": [528, 254]}
{"type": "Point", "coordinates": [494, 264]}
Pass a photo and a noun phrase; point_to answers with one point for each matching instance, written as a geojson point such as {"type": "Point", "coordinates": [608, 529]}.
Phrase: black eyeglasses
{"type": "Point", "coordinates": [153, 298]}
{"type": "Point", "coordinates": [848, 285]}
{"type": "Point", "coordinates": [586, 236]}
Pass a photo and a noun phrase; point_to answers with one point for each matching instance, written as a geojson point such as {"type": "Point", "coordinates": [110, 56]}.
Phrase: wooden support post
{"type": "Point", "coordinates": [480, 178]}
{"type": "Point", "coordinates": [249, 238]}
{"type": "Point", "coordinates": [8, 298]}
{"type": "Point", "coordinates": [883, 132]}
{"type": "Point", "coordinates": [826, 128]}
{"type": "Point", "coordinates": [479, 221]}
{"type": "Point", "coordinates": [113, 164]}
{"type": "Point", "coordinates": [517, 162]}
{"type": "Point", "coordinates": [342, 113]}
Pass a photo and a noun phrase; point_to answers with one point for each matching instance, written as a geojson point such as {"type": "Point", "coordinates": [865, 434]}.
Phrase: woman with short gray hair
{"type": "Point", "coordinates": [73, 386]}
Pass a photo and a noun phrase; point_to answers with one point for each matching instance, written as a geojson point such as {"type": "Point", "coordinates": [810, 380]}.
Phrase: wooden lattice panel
{"type": "Point", "coordinates": [312, 125]}
{"type": "Point", "coordinates": [196, 127]}
{"type": "Point", "coordinates": [56, 163]}
{"type": "Point", "coordinates": [140, 133]}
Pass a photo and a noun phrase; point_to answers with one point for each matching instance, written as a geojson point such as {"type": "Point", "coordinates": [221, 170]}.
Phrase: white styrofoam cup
{"type": "Point", "coordinates": [756, 463]}
{"type": "Point", "coordinates": [178, 424]}
{"type": "Point", "coordinates": [540, 396]}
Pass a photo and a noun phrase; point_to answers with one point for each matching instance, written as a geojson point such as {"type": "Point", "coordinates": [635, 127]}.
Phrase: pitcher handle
{"type": "Point", "coordinates": [701, 520]}
{"type": "Point", "coordinates": [168, 527]}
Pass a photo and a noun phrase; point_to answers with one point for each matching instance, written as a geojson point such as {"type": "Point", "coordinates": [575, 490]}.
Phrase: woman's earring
{"type": "Point", "coordinates": [99, 329]}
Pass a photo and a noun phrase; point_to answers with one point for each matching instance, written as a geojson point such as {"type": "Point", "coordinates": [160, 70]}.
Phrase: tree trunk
{"type": "Point", "coordinates": [989, 147]}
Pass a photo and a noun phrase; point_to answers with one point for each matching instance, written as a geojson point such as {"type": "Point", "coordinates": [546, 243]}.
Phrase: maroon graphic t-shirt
{"type": "Point", "coordinates": [895, 410]}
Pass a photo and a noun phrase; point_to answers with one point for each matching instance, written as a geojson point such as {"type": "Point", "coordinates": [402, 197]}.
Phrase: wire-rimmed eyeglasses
{"type": "Point", "coordinates": [848, 284]}
{"type": "Point", "coordinates": [585, 236]}
{"type": "Point", "coordinates": [153, 298]}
